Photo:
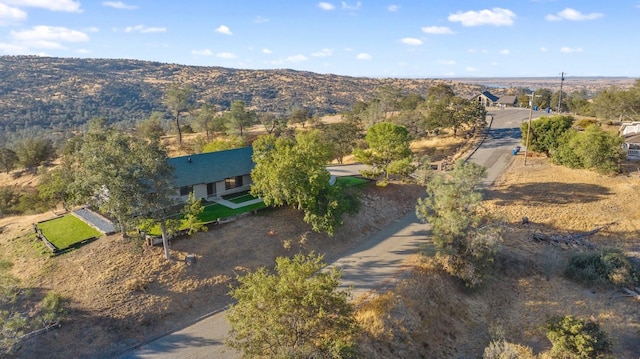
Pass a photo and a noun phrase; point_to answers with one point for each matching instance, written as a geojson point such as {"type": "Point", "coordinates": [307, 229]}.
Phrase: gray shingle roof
{"type": "Point", "coordinates": [212, 166]}
{"type": "Point", "coordinates": [507, 100]}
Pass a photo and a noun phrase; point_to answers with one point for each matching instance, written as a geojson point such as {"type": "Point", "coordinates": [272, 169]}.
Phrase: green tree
{"type": "Point", "coordinates": [388, 144]}
{"type": "Point", "coordinates": [178, 99]}
{"type": "Point", "coordinates": [411, 101]}
{"type": "Point", "coordinates": [293, 172]}
{"type": "Point", "coordinates": [33, 152]}
{"type": "Point", "coordinates": [191, 211]}
{"type": "Point", "coordinates": [439, 92]}
{"type": "Point", "coordinates": [56, 186]}
{"type": "Point", "coordinates": [8, 159]}
{"type": "Point", "coordinates": [578, 102]}
{"type": "Point", "coordinates": [542, 98]}
{"type": "Point", "coordinates": [296, 312]}
{"type": "Point", "coordinates": [465, 249]}
{"type": "Point", "coordinates": [205, 119]}
{"type": "Point", "coordinates": [221, 144]}
{"type": "Point", "coordinates": [273, 123]}
{"type": "Point", "coordinates": [125, 177]}
{"type": "Point", "coordinates": [555, 98]}
{"type": "Point", "coordinates": [239, 117]}
{"type": "Point", "coordinates": [152, 128]}
{"type": "Point", "coordinates": [576, 338]}
{"type": "Point", "coordinates": [300, 115]}
{"type": "Point", "coordinates": [546, 133]}
{"type": "Point", "coordinates": [593, 149]}
{"type": "Point", "coordinates": [342, 136]}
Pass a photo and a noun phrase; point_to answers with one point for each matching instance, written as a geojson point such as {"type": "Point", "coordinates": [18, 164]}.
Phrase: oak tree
{"type": "Point", "coordinates": [295, 312]}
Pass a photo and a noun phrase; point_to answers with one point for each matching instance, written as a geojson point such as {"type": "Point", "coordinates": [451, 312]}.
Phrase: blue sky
{"type": "Point", "coordinates": [394, 38]}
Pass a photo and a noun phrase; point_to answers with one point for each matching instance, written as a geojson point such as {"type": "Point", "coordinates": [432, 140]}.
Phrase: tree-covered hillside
{"type": "Point", "coordinates": [59, 94]}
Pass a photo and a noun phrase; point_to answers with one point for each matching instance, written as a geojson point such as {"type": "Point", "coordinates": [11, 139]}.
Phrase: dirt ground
{"type": "Point", "coordinates": [121, 293]}
{"type": "Point", "coordinates": [431, 315]}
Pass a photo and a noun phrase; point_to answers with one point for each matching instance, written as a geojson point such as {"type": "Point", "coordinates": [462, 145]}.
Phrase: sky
{"type": "Point", "coordinates": [388, 38]}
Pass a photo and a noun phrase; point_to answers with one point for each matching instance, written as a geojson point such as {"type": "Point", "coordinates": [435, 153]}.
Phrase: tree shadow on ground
{"type": "Point", "coordinates": [548, 193]}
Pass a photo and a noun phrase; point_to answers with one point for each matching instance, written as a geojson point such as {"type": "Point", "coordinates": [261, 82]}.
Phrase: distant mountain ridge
{"type": "Point", "coordinates": [58, 94]}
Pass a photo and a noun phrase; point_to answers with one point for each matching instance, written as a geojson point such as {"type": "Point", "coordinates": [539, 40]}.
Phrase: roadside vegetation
{"type": "Point", "coordinates": [473, 257]}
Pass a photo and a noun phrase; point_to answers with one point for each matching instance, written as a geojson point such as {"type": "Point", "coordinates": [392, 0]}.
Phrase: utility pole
{"type": "Point", "coordinates": [560, 96]}
{"type": "Point", "coordinates": [526, 148]}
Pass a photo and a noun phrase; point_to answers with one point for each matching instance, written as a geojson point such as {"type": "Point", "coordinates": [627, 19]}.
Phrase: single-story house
{"type": "Point", "coordinates": [486, 99]}
{"type": "Point", "coordinates": [507, 101]}
{"type": "Point", "coordinates": [213, 174]}
{"type": "Point", "coordinates": [632, 146]}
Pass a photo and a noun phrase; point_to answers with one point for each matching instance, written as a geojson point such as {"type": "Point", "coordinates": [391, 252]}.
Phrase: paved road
{"type": "Point", "coordinates": [496, 150]}
{"type": "Point", "coordinates": [372, 265]}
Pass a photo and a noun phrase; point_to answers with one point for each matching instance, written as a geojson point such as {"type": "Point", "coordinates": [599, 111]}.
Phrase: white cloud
{"type": "Point", "coordinates": [83, 51]}
{"type": "Point", "coordinates": [266, 51]}
{"type": "Point", "coordinates": [260, 20]}
{"type": "Point", "coordinates": [573, 15]}
{"type": "Point", "coordinates": [437, 30]}
{"type": "Point", "coordinates": [144, 30]}
{"type": "Point", "coordinates": [323, 53]}
{"type": "Point", "coordinates": [296, 58]}
{"type": "Point", "coordinates": [570, 50]}
{"type": "Point", "coordinates": [411, 41]}
{"type": "Point", "coordinates": [205, 52]}
{"type": "Point", "coordinates": [222, 29]}
{"type": "Point", "coordinates": [10, 15]}
{"type": "Point", "coordinates": [49, 35]}
{"type": "Point", "coordinates": [91, 29]}
{"type": "Point", "coordinates": [471, 69]}
{"type": "Point", "coordinates": [496, 17]}
{"type": "Point", "coordinates": [473, 51]}
{"type": "Point", "coordinates": [12, 48]}
{"type": "Point", "coordinates": [505, 52]}
{"type": "Point", "coordinates": [119, 5]}
{"type": "Point", "coordinates": [446, 62]}
{"type": "Point", "coordinates": [346, 6]}
{"type": "Point", "coordinates": [393, 8]}
{"type": "Point", "coordinates": [226, 55]}
{"type": "Point", "coordinates": [543, 49]}
{"type": "Point", "coordinates": [53, 5]}
{"type": "Point", "coordinates": [326, 6]}
{"type": "Point", "coordinates": [363, 56]}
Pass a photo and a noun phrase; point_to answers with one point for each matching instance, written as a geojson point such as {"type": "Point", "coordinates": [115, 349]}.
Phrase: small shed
{"type": "Point", "coordinates": [507, 101]}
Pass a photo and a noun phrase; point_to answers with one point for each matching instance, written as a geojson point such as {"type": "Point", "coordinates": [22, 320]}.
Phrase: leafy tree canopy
{"type": "Point", "coordinates": [388, 144]}
{"type": "Point", "coordinates": [296, 312]}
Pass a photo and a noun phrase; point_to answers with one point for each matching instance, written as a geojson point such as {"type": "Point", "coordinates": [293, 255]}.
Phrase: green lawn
{"type": "Point", "coordinates": [351, 181]}
{"type": "Point", "coordinates": [215, 211]}
{"type": "Point", "coordinates": [67, 230]}
{"type": "Point", "coordinates": [239, 198]}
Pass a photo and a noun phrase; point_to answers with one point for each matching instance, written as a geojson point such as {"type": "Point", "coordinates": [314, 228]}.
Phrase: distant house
{"type": "Point", "coordinates": [632, 146]}
{"type": "Point", "coordinates": [630, 131]}
{"type": "Point", "coordinates": [628, 128]}
{"type": "Point", "coordinates": [507, 101]}
{"type": "Point", "coordinates": [487, 99]}
{"type": "Point", "coordinates": [213, 174]}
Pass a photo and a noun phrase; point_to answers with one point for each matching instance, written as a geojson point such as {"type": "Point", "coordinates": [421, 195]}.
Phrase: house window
{"type": "Point", "coordinates": [211, 189]}
{"type": "Point", "coordinates": [233, 182]}
{"type": "Point", "coordinates": [184, 191]}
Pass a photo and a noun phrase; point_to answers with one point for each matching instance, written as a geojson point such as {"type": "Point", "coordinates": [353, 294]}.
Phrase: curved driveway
{"type": "Point", "coordinates": [371, 266]}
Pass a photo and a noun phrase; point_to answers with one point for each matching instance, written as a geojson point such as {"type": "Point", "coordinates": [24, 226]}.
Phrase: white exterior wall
{"type": "Point", "coordinates": [200, 191]}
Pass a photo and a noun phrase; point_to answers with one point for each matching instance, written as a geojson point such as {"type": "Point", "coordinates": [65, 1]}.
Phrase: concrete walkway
{"type": "Point", "coordinates": [95, 220]}
{"type": "Point", "coordinates": [232, 205]}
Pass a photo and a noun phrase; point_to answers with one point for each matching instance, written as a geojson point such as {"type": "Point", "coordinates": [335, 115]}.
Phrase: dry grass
{"type": "Point", "coordinates": [447, 321]}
